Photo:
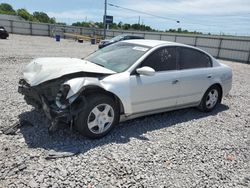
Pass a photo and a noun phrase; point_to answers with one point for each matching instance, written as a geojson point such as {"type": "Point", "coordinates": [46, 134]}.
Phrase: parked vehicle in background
{"type": "Point", "coordinates": [118, 38]}
{"type": "Point", "coordinates": [123, 81]}
{"type": "Point", "coordinates": [3, 33]}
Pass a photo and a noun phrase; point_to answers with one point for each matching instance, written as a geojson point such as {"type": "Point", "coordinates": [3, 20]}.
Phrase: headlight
{"type": "Point", "coordinates": [61, 97]}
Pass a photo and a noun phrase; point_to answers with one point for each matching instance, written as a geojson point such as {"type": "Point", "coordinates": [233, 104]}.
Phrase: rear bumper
{"type": "Point", "coordinates": [227, 86]}
{"type": "Point", "coordinates": [4, 35]}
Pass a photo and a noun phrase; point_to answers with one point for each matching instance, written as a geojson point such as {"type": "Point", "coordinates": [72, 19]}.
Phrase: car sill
{"type": "Point", "coordinates": [123, 117]}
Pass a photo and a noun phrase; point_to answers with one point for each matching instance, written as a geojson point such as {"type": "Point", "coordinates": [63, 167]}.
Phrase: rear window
{"type": "Point", "coordinates": [191, 58]}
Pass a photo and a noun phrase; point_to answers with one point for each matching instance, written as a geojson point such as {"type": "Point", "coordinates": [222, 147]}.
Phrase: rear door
{"type": "Point", "coordinates": [160, 90]}
{"type": "Point", "coordinates": [194, 75]}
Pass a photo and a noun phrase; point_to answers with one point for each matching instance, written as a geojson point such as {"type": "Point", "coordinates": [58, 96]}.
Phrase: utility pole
{"type": "Point", "coordinates": [139, 20]}
{"type": "Point", "coordinates": [104, 19]}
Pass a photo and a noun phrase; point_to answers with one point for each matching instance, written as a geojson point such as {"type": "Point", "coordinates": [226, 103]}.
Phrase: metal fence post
{"type": "Point", "coordinates": [31, 28]}
{"type": "Point", "coordinates": [160, 36]}
{"type": "Point", "coordinates": [49, 29]}
{"type": "Point", "coordinates": [219, 48]}
{"type": "Point", "coordinates": [81, 31]}
{"type": "Point", "coordinates": [175, 38]}
{"type": "Point", "coordinates": [195, 41]}
{"type": "Point", "coordinates": [248, 61]}
{"type": "Point", "coordinates": [11, 26]}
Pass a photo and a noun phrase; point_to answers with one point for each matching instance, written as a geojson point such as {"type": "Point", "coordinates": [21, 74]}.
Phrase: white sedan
{"type": "Point", "coordinates": [124, 81]}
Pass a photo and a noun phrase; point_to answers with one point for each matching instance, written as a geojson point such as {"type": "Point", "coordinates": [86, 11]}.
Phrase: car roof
{"type": "Point", "coordinates": [157, 43]}
{"type": "Point", "coordinates": [152, 43]}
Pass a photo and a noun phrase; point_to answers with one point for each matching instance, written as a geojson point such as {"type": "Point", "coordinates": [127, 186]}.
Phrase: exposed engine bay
{"type": "Point", "coordinates": [61, 99]}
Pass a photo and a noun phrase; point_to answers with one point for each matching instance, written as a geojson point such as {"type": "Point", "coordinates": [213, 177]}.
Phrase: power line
{"type": "Point", "coordinates": [165, 18]}
{"type": "Point", "coordinates": [133, 10]}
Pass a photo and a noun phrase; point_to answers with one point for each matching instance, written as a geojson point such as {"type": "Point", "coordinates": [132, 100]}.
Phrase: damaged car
{"type": "Point", "coordinates": [123, 81]}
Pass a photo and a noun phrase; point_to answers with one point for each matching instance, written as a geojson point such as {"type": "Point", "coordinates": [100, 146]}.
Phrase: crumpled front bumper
{"type": "Point", "coordinates": [32, 97]}
{"type": "Point", "coordinates": [52, 112]}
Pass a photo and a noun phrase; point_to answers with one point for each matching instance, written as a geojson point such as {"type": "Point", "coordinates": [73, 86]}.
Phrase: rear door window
{"type": "Point", "coordinates": [192, 58]}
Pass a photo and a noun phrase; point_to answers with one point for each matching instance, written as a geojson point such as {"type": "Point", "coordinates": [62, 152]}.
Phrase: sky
{"type": "Point", "coordinates": [214, 16]}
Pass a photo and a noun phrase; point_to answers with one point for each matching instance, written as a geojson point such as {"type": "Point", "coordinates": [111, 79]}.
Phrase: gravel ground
{"type": "Point", "coordinates": [184, 148]}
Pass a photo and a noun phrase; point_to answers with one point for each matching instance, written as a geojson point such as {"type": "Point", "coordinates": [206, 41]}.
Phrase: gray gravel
{"type": "Point", "coordinates": [184, 148]}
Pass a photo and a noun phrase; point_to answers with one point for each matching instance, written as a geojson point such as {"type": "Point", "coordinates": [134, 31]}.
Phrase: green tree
{"type": "Point", "coordinates": [43, 17]}
{"type": "Point", "coordinates": [99, 24]}
{"type": "Point", "coordinates": [61, 23]}
{"type": "Point", "coordinates": [81, 24]}
{"type": "Point", "coordinates": [136, 26]}
{"type": "Point", "coordinates": [126, 26]}
{"type": "Point", "coordinates": [7, 9]}
{"type": "Point", "coordinates": [120, 25]}
{"type": "Point", "coordinates": [24, 14]}
{"type": "Point", "coordinates": [52, 20]}
{"type": "Point", "coordinates": [113, 26]}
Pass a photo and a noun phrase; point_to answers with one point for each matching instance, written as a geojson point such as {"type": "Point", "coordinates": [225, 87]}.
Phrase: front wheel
{"type": "Point", "coordinates": [98, 118]}
{"type": "Point", "coordinates": [210, 99]}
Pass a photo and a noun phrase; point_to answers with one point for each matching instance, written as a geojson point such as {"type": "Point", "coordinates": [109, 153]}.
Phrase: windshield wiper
{"type": "Point", "coordinates": [98, 64]}
{"type": "Point", "coordinates": [95, 63]}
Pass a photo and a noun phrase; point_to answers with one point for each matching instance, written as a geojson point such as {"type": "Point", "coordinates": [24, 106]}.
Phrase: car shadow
{"type": "Point", "coordinates": [65, 140]}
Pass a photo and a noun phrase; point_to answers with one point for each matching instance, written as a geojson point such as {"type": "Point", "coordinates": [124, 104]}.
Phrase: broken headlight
{"type": "Point", "coordinates": [61, 97]}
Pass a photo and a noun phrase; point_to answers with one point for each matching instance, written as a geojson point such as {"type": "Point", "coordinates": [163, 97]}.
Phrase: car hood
{"type": "Point", "coordinates": [45, 69]}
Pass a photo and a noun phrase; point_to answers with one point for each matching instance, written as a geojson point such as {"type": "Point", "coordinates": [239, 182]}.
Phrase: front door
{"type": "Point", "coordinates": [160, 90]}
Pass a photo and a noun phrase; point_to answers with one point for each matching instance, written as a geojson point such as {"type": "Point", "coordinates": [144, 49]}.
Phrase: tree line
{"type": "Point", "coordinates": [44, 18]}
{"type": "Point", "coordinates": [120, 25]}
{"type": "Point", "coordinates": [34, 17]}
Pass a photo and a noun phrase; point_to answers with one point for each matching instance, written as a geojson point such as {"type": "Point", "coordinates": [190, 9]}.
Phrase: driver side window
{"type": "Point", "coordinates": [162, 59]}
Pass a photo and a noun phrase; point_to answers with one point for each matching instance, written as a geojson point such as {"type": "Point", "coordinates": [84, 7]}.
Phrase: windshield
{"type": "Point", "coordinates": [118, 57]}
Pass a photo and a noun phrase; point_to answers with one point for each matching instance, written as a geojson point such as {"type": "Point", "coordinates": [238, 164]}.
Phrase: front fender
{"type": "Point", "coordinates": [109, 84]}
{"type": "Point", "coordinates": [77, 84]}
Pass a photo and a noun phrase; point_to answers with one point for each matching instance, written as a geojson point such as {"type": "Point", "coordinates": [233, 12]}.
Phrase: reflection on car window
{"type": "Point", "coordinates": [119, 56]}
{"type": "Point", "coordinates": [191, 58]}
{"type": "Point", "coordinates": [161, 60]}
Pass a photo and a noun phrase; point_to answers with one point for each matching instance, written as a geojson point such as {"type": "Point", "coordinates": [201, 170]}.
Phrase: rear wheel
{"type": "Point", "coordinates": [98, 118]}
{"type": "Point", "coordinates": [210, 99]}
{"type": "Point", "coordinates": [3, 37]}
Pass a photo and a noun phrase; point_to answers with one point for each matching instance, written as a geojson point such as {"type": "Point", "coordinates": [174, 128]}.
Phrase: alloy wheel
{"type": "Point", "coordinates": [212, 98]}
{"type": "Point", "coordinates": [100, 118]}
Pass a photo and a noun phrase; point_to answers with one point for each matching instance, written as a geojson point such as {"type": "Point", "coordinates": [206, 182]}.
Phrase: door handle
{"type": "Point", "coordinates": [175, 81]}
{"type": "Point", "coordinates": [209, 76]}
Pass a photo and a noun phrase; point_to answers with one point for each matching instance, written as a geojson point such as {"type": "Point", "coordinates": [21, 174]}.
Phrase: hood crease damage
{"type": "Point", "coordinates": [45, 69]}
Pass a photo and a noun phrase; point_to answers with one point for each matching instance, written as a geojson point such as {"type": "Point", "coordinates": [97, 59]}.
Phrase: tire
{"type": "Point", "coordinates": [211, 98]}
{"type": "Point", "coordinates": [3, 37]}
{"type": "Point", "coordinates": [94, 122]}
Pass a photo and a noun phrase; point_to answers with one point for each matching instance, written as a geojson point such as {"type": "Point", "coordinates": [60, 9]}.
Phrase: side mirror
{"type": "Point", "coordinates": [147, 71]}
